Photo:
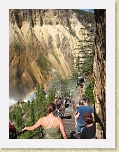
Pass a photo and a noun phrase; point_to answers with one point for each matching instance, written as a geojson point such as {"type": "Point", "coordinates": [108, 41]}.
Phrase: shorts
{"type": "Point", "coordinates": [80, 127]}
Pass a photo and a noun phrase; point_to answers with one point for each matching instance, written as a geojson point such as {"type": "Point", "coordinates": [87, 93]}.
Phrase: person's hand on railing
{"type": "Point", "coordinates": [24, 129]}
{"type": "Point", "coordinates": [22, 132]}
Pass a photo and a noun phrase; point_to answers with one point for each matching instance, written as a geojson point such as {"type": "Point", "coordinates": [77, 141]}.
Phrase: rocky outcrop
{"type": "Point", "coordinates": [100, 69]}
{"type": "Point", "coordinates": [41, 44]}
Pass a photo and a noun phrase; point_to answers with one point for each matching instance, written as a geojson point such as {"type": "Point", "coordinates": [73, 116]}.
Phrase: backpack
{"type": "Point", "coordinates": [12, 132]}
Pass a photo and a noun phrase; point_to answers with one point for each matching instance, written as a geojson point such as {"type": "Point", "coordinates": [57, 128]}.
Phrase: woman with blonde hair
{"type": "Point", "coordinates": [80, 104]}
{"type": "Point", "coordinates": [53, 126]}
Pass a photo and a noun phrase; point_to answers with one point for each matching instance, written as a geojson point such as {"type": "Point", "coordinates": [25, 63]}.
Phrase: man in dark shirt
{"type": "Point", "coordinates": [89, 130]}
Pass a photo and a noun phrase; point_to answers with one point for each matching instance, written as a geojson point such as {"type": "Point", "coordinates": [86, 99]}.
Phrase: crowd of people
{"type": "Point", "coordinates": [61, 103]}
{"type": "Point", "coordinates": [54, 127]}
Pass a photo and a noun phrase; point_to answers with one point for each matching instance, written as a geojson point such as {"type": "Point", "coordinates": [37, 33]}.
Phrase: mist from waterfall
{"type": "Point", "coordinates": [30, 96]}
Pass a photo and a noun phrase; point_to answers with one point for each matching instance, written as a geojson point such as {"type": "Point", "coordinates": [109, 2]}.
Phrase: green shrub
{"type": "Point", "coordinates": [57, 59]}
{"type": "Point", "coordinates": [17, 46]}
{"type": "Point", "coordinates": [89, 91]}
{"type": "Point", "coordinates": [43, 62]}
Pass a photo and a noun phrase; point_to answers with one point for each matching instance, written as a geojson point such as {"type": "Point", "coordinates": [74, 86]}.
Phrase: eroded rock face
{"type": "Point", "coordinates": [100, 69]}
{"type": "Point", "coordinates": [41, 43]}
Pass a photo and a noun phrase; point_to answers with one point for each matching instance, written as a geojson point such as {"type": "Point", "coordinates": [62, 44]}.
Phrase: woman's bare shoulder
{"type": "Point", "coordinates": [42, 118]}
{"type": "Point", "coordinates": [58, 119]}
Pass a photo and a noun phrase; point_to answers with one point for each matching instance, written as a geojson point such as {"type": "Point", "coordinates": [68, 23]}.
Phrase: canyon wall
{"type": "Point", "coordinates": [41, 44]}
{"type": "Point", "coordinates": [99, 69]}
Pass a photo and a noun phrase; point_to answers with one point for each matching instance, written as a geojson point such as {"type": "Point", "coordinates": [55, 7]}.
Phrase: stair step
{"type": "Point", "coordinates": [69, 124]}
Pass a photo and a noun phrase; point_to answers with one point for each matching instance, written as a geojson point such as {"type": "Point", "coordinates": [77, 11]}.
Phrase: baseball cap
{"type": "Point", "coordinates": [85, 99]}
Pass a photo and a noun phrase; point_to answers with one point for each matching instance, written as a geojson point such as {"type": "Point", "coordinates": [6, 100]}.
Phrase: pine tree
{"type": "Point", "coordinates": [32, 114]}
{"type": "Point", "coordinates": [85, 48]}
{"type": "Point", "coordinates": [51, 95]}
{"type": "Point", "coordinates": [85, 58]}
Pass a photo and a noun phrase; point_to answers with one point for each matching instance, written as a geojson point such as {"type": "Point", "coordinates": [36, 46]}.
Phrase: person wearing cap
{"type": "Point", "coordinates": [81, 110]}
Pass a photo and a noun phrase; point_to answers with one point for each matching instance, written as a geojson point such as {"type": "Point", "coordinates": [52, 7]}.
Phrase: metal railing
{"type": "Point", "coordinates": [40, 134]}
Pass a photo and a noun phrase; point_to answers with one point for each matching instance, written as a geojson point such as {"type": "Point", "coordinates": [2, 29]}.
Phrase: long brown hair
{"type": "Point", "coordinates": [51, 108]}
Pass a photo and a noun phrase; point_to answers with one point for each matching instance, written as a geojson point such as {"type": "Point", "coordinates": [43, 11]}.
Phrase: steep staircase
{"type": "Point", "coordinates": [69, 122]}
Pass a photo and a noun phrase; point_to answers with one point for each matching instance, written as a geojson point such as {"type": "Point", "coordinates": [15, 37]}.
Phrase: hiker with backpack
{"type": "Point", "coordinates": [81, 110]}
